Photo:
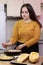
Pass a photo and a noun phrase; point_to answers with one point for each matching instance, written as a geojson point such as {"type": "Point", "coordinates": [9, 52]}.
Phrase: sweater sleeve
{"type": "Point", "coordinates": [36, 36]}
{"type": "Point", "coordinates": [14, 36]}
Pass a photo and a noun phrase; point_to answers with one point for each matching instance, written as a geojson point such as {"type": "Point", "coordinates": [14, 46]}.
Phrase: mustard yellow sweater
{"type": "Point", "coordinates": [28, 33]}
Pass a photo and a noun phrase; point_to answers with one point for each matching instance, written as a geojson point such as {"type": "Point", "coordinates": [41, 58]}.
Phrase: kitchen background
{"type": "Point", "coordinates": [12, 9]}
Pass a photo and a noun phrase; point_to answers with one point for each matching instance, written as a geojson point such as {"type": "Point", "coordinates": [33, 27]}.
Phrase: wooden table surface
{"type": "Point", "coordinates": [28, 63]}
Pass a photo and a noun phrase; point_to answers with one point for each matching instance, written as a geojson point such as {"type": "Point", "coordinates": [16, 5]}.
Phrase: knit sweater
{"type": "Point", "coordinates": [27, 33]}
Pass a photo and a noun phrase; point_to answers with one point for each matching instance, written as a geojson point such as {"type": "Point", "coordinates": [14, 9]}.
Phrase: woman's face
{"type": "Point", "coordinates": [25, 13]}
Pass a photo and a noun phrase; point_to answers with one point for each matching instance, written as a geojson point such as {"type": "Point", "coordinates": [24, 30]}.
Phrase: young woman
{"type": "Point", "coordinates": [26, 32]}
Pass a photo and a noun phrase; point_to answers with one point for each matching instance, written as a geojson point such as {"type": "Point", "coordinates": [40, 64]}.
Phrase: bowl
{"type": "Point", "coordinates": [12, 52]}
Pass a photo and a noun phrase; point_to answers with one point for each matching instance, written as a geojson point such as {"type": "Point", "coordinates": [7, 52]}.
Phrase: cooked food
{"type": "Point", "coordinates": [13, 50]}
{"type": "Point", "coordinates": [34, 57]}
{"type": "Point", "coordinates": [4, 57]}
{"type": "Point", "coordinates": [22, 57]}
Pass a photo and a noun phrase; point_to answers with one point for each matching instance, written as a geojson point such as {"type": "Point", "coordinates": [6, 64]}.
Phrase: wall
{"type": "Point", "coordinates": [40, 18]}
{"type": "Point", "coordinates": [10, 24]}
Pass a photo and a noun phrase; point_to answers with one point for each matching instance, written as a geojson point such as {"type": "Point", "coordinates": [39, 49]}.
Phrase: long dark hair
{"type": "Point", "coordinates": [31, 13]}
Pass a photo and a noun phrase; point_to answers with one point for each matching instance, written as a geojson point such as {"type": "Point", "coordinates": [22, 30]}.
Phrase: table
{"type": "Point", "coordinates": [28, 63]}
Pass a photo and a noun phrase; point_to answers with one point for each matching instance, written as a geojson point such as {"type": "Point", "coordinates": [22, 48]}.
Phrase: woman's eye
{"type": "Point", "coordinates": [25, 12]}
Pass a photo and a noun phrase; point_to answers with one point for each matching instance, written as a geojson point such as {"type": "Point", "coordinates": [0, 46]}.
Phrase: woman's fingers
{"type": "Point", "coordinates": [4, 45]}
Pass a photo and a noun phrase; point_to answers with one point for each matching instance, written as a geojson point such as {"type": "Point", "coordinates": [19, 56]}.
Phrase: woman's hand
{"type": "Point", "coordinates": [20, 46]}
{"type": "Point", "coordinates": [6, 44]}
